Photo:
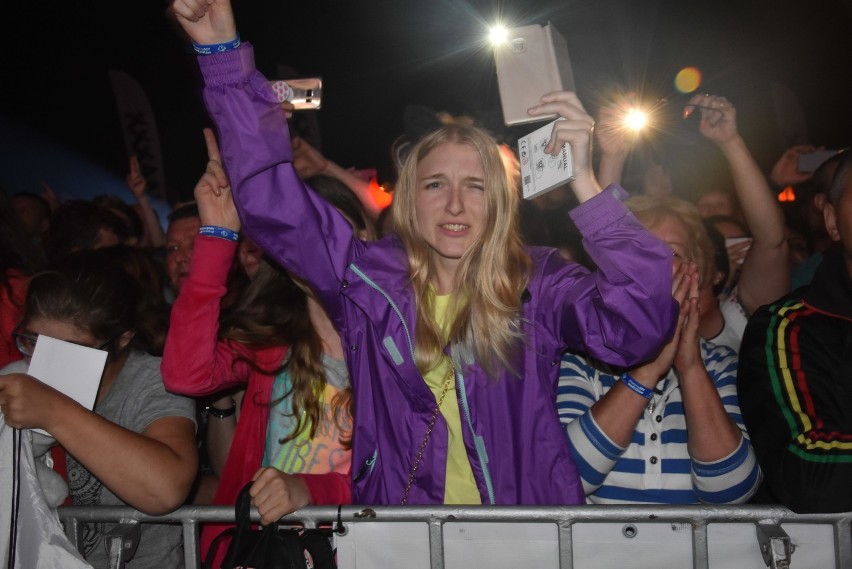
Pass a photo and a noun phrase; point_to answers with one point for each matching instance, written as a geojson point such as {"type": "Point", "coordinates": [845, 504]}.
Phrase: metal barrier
{"type": "Point", "coordinates": [771, 539]}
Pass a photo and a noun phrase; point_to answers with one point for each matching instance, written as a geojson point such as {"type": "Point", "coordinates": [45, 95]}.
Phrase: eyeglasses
{"type": "Point", "coordinates": [26, 342]}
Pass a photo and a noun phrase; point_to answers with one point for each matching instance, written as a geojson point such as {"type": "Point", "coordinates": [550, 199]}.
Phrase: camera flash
{"type": "Point", "coordinates": [635, 119]}
{"type": "Point", "coordinates": [498, 35]}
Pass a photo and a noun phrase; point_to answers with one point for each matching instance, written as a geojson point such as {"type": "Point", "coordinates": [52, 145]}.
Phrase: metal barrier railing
{"type": "Point", "coordinates": [774, 543]}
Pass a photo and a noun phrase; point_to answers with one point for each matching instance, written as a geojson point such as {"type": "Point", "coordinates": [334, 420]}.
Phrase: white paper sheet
{"type": "Point", "coordinates": [69, 368]}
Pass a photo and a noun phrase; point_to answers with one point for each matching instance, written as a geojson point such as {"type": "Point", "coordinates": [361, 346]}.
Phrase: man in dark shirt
{"type": "Point", "coordinates": [795, 376]}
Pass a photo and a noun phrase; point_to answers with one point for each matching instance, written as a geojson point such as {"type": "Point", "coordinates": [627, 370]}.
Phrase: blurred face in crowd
{"type": "Point", "coordinates": [838, 221]}
{"type": "Point", "coordinates": [180, 239]}
{"type": "Point", "coordinates": [673, 233]}
{"type": "Point", "coordinates": [106, 238]}
{"type": "Point", "coordinates": [450, 202]}
{"type": "Point", "coordinates": [250, 256]}
{"type": "Point", "coordinates": [715, 203]}
{"type": "Point", "coordinates": [32, 214]}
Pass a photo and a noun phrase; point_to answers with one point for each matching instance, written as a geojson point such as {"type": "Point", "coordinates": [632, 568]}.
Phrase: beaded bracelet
{"type": "Point", "coordinates": [216, 47]}
{"type": "Point", "coordinates": [222, 413]}
{"type": "Point", "coordinates": [220, 232]}
{"type": "Point", "coordinates": [637, 387]}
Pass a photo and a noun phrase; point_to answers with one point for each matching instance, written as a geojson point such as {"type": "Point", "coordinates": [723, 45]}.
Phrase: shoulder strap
{"type": "Point", "coordinates": [242, 514]}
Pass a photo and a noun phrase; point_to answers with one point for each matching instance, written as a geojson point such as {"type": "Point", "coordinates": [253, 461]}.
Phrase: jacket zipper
{"type": "Point", "coordinates": [393, 305]}
{"type": "Point", "coordinates": [371, 462]}
{"type": "Point", "coordinates": [478, 442]}
{"type": "Point", "coordinates": [461, 393]}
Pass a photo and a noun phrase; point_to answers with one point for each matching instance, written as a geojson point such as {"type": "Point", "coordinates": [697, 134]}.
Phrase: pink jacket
{"type": "Point", "coordinates": [197, 363]}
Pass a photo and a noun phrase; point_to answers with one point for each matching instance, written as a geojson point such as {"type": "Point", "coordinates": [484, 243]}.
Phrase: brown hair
{"type": "Point", "coordinates": [273, 311]}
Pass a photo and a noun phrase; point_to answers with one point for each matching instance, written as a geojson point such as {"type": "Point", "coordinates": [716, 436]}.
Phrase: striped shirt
{"type": "Point", "coordinates": [656, 466]}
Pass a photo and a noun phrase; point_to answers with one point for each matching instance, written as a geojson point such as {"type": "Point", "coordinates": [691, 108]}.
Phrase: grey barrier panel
{"type": "Point", "coordinates": [436, 516]}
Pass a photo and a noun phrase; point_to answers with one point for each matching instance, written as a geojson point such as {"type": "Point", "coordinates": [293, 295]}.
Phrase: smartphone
{"type": "Point", "coordinates": [532, 61]}
{"type": "Point", "coordinates": [304, 94]}
{"type": "Point", "coordinates": [810, 161]}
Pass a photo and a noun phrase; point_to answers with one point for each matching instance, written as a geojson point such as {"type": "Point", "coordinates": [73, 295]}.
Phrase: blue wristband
{"type": "Point", "coordinates": [637, 387]}
{"type": "Point", "coordinates": [216, 47]}
{"type": "Point", "coordinates": [220, 232]}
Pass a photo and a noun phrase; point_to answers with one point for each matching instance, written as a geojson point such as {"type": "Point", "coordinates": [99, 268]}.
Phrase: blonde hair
{"type": "Point", "coordinates": [492, 274]}
{"type": "Point", "coordinates": [651, 211]}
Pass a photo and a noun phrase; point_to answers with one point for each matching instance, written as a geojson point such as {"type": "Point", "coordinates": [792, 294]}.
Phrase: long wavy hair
{"type": "Point", "coordinates": [273, 311]}
{"type": "Point", "coordinates": [491, 275]}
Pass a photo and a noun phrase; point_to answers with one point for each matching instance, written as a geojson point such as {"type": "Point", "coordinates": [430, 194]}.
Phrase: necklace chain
{"type": "Point", "coordinates": [444, 389]}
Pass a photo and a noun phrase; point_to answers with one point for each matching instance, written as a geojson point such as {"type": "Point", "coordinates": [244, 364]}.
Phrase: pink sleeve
{"type": "Point", "coordinates": [195, 362]}
{"type": "Point", "coordinates": [328, 489]}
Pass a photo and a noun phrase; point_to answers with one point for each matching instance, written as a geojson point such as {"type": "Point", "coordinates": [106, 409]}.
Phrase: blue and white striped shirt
{"type": "Point", "coordinates": [656, 466]}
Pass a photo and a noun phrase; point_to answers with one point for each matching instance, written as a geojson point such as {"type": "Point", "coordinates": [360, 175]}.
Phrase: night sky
{"type": "Point", "coordinates": [377, 56]}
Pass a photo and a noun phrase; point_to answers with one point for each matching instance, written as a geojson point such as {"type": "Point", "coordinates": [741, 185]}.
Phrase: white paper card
{"type": "Point", "coordinates": [541, 172]}
{"type": "Point", "coordinates": [69, 368]}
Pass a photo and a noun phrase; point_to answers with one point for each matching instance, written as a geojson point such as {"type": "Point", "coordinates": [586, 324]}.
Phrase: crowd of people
{"type": "Point", "coordinates": [460, 347]}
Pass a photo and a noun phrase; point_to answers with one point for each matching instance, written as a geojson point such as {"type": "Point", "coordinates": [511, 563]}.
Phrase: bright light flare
{"type": "Point", "coordinates": [636, 119]}
{"type": "Point", "coordinates": [498, 34]}
{"type": "Point", "coordinates": [688, 79]}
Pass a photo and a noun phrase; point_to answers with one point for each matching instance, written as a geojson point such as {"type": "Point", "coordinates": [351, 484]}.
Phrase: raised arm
{"type": "Point", "coordinates": [195, 362]}
{"type": "Point", "coordinates": [310, 162]}
{"type": "Point", "coordinates": [574, 128]}
{"type": "Point", "coordinates": [137, 184]}
{"type": "Point", "coordinates": [286, 219]}
{"type": "Point", "coordinates": [765, 273]}
{"type": "Point", "coordinates": [614, 143]}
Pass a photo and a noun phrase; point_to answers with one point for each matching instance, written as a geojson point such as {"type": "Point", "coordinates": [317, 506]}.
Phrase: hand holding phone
{"type": "Point", "coordinates": [303, 94]}
{"type": "Point", "coordinates": [532, 62]}
{"type": "Point", "coordinates": [810, 161]}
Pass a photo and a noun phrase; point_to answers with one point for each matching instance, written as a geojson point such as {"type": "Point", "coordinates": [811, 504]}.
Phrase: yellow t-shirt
{"type": "Point", "coordinates": [460, 487]}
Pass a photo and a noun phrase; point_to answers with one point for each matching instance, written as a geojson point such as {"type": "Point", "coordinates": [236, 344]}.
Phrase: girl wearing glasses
{"type": "Point", "coordinates": [137, 447]}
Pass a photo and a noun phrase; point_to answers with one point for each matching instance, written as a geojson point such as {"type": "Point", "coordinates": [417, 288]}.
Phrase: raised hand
{"type": "Point", "coordinates": [718, 117]}
{"type": "Point", "coordinates": [785, 172]}
{"type": "Point", "coordinates": [135, 180]}
{"type": "Point", "coordinates": [206, 22]}
{"type": "Point", "coordinates": [213, 190]}
{"type": "Point", "coordinates": [576, 130]}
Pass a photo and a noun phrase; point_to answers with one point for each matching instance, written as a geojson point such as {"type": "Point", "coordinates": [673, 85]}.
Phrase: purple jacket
{"type": "Point", "coordinates": [517, 448]}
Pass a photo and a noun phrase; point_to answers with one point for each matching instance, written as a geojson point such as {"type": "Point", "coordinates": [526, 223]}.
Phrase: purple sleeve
{"type": "Point", "coordinates": [623, 312]}
{"type": "Point", "coordinates": [279, 212]}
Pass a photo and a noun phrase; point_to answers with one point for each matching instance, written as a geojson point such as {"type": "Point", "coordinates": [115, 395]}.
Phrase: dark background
{"type": "Point", "coordinates": [376, 56]}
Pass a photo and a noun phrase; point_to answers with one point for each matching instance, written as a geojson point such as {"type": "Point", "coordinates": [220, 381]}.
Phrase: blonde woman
{"type": "Point", "coordinates": [452, 329]}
